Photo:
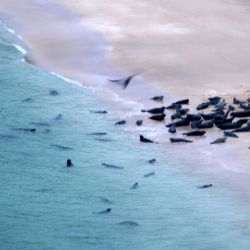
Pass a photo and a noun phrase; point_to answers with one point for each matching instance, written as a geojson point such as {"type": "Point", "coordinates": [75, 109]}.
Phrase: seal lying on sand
{"type": "Point", "coordinates": [143, 139]}
{"type": "Point", "coordinates": [158, 98]}
{"type": "Point", "coordinates": [219, 140]}
{"type": "Point", "coordinates": [158, 118]}
{"type": "Point", "coordinates": [195, 133]}
{"type": "Point", "coordinates": [177, 140]}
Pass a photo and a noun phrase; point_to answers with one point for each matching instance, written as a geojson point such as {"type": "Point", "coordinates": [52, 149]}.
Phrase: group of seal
{"type": "Point", "coordinates": [231, 118]}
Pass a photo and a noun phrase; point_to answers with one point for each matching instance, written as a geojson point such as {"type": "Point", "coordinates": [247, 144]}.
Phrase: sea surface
{"type": "Point", "coordinates": [45, 205]}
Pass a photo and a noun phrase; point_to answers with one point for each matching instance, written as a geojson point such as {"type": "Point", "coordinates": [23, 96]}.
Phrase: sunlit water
{"type": "Point", "coordinates": [45, 205]}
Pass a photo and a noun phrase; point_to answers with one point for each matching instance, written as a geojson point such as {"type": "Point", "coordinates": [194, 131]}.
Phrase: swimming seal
{"type": "Point", "coordinates": [135, 185]}
{"type": "Point", "coordinates": [53, 92]}
{"type": "Point", "coordinates": [122, 122]}
{"type": "Point", "coordinates": [111, 166]}
{"type": "Point", "coordinates": [69, 163]}
{"type": "Point", "coordinates": [206, 186]}
{"type": "Point", "coordinates": [152, 161]}
{"type": "Point", "coordinates": [149, 174]}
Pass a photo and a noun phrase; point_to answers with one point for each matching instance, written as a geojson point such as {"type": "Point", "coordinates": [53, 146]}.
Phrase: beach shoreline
{"type": "Point", "coordinates": [129, 104]}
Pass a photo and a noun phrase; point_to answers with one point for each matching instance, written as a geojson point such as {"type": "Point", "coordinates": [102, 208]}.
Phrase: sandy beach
{"type": "Point", "coordinates": [182, 50]}
{"type": "Point", "coordinates": [189, 48]}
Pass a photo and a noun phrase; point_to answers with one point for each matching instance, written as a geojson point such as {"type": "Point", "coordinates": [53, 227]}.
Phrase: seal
{"type": "Point", "coordinates": [111, 166]}
{"type": "Point", "coordinates": [158, 98]}
{"type": "Point", "coordinates": [143, 139]}
{"type": "Point", "coordinates": [158, 118]}
{"type": "Point", "coordinates": [154, 110]}
{"type": "Point", "coordinates": [108, 210]}
{"type": "Point", "coordinates": [60, 147]}
{"type": "Point", "coordinates": [207, 124]}
{"type": "Point", "coordinates": [184, 101]}
{"type": "Point", "coordinates": [244, 113]}
{"type": "Point", "coordinates": [99, 112]}
{"type": "Point", "coordinates": [203, 105]}
{"type": "Point", "coordinates": [194, 117]}
{"type": "Point", "coordinates": [230, 134]}
{"type": "Point", "coordinates": [219, 140]}
{"type": "Point", "coordinates": [122, 122]}
{"type": "Point", "coordinates": [53, 92]}
{"type": "Point", "coordinates": [177, 140]}
{"type": "Point", "coordinates": [129, 223]}
{"type": "Point", "coordinates": [182, 122]}
{"type": "Point", "coordinates": [195, 133]}
{"type": "Point", "coordinates": [206, 186]}
{"type": "Point", "coordinates": [69, 163]}
{"type": "Point", "coordinates": [149, 174]}
{"type": "Point", "coordinates": [139, 122]}
{"type": "Point", "coordinates": [135, 185]}
{"type": "Point", "coordinates": [152, 161]}
{"type": "Point", "coordinates": [25, 129]}
{"type": "Point", "coordinates": [172, 129]}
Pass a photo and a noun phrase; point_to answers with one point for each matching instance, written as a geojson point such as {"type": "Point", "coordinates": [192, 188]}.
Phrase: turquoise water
{"type": "Point", "coordinates": [45, 205]}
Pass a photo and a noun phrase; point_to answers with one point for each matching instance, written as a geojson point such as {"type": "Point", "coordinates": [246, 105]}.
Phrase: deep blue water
{"type": "Point", "coordinates": [45, 205]}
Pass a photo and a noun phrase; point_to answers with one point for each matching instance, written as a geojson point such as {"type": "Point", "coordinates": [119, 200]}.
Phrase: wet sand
{"type": "Point", "coordinates": [175, 59]}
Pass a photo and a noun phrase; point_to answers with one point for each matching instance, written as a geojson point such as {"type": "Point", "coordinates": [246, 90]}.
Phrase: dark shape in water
{"type": "Point", "coordinates": [108, 210]}
{"type": "Point", "coordinates": [25, 129]}
{"type": "Point", "coordinates": [177, 140]}
{"type": "Point", "coordinates": [99, 112]}
{"type": "Point", "coordinates": [135, 185]}
{"type": "Point", "coordinates": [98, 133]}
{"type": "Point", "coordinates": [111, 166]}
{"type": "Point", "coordinates": [53, 92]}
{"type": "Point", "coordinates": [139, 122]}
{"type": "Point", "coordinates": [129, 223]}
{"type": "Point", "coordinates": [69, 163]}
{"type": "Point", "coordinates": [154, 110]}
{"type": "Point", "coordinates": [219, 140]}
{"type": "Point", "coordinates": [61, 147]}
{"type": "Point", "coordinates": [206, 186]}
{"type": "Point", "coordinates": [122, 122]}
{"type": "Point", "coordinates": [152, 161]}
{"type": "Point", "coordinates": [59, 117]}
{"type": "Point", "coordinates": [125, 81]}
{"type": "Point", "coordinates": [158, 98]}
{"type": "Point", "coordinates": [103, 139]}
{"type": "Point", "coordinates": [195, 133]}
{"type": "Point", "coordinates": [42, 124]}
{"type": "Point", "coordinates": [143, 139]}
{"type": "Point", "coordinates": [8, 137]}
{"type": "Point", "coordinates": [105, 200]}
{"type": "Point", "coordinates": [28, 100]}
{"type": "Point", "coordinates": [230, 134]}
{"type": "Point", "coordinates": [149, 174]}
{"type": "Point", "coordinates": [158, 118]}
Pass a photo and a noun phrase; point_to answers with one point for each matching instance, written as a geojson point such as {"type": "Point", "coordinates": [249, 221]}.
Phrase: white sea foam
{"type": "Point", "coordinates": [19, 48]}
{"type": "Point", "coordinates": [66, 79]}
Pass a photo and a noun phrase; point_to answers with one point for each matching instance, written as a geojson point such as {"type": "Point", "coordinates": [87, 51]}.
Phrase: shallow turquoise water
{"type": "Point", "coordinates": [45, 205]}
